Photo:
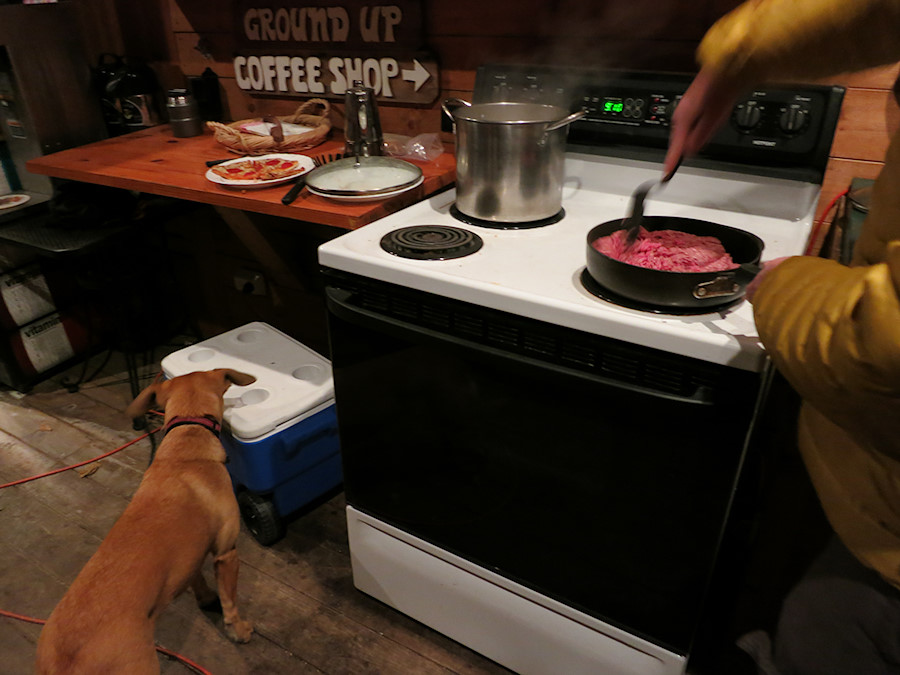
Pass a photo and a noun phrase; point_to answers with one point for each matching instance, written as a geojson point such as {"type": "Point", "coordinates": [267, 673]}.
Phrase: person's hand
{"type": "Point", "coordinates": [705, 106]}
{"type": "Point", "coordinates": [767, 267]}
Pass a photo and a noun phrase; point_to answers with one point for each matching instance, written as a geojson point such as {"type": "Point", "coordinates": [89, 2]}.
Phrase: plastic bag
{"type": "Point", "coordinates": [424, 147]}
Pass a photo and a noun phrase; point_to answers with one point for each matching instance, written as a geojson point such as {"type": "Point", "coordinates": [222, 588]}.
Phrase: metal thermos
{"type": "Point", "coordinates": [184, 115]}
{"type": "Point", "coordinates": [363, 128]}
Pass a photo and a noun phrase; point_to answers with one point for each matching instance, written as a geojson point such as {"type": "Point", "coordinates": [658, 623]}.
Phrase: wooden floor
{"type": "Point", "coordinates": [298, 593]}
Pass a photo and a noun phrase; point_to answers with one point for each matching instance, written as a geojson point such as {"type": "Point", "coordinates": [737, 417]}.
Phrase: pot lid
{"type": "Point", "coordinates": [363, 177]}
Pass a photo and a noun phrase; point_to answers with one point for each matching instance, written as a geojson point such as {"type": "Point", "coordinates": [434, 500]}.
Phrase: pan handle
{"type": "Point", "coordinates": [724, 285]}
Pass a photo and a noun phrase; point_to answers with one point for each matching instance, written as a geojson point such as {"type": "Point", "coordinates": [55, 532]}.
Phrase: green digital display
{"type": "Point", "coordinates": [613, 105]}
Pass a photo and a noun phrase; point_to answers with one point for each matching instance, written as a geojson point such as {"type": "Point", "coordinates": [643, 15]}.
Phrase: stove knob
{"type": "Point", "coordinates": [747, 115]}
{"type": "Point", "coordinates": [793, 120]}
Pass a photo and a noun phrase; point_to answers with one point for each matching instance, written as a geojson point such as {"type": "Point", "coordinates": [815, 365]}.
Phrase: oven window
{"type": "Point", "coordinates": [606, 496]}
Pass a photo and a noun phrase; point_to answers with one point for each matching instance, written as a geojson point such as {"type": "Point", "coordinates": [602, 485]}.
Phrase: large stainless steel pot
{"type": "Point", "coordinates": [510, 159]}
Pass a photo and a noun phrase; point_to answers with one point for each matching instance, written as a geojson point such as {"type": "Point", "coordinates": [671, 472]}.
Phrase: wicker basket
{"type": "Point", "coordinates": [313, 113]}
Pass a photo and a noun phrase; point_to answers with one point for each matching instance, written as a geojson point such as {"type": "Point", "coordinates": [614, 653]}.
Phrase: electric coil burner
{"type": "Point", "coordinates": [496, 225]}
{"type": "Point", "coordinates": [431, 242]}
{"type": "Point", "coordinates": [556, 446]}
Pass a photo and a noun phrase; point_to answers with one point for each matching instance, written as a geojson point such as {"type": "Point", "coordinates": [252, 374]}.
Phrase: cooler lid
{"type": "Point", "coordinates": [290, 377]}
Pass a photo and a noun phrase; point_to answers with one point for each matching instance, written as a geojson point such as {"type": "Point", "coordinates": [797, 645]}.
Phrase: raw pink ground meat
{"type": "Point", "coordinates": [668, 250]}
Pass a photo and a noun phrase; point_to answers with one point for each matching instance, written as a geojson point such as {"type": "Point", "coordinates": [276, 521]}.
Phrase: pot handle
{"type": "Point", "coordinates": [727, 284]}
{"type": "Point", "coordinates": [553, 126]}
{"type": "Point", "coordinates": [455, 103]}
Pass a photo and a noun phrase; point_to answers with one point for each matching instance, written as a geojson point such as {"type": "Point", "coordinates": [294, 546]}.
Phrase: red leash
{"type": "Point", "coordinates": [75, 466]}
{"type": "Point", "coordinates": [87, 461]}
{"type": "Point", "coordinates": [815, 234]}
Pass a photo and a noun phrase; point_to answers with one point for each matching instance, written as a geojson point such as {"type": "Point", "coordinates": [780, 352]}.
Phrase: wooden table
{"type": "Point", "coordinates": [155, 162]}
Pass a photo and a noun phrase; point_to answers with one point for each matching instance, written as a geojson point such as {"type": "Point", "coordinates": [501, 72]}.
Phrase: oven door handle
{"type": "Point", "coordinates": [336, 300]}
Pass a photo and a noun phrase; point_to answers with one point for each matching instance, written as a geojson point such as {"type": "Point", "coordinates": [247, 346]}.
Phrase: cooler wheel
{"type": "Point", "coordinates": [261, 518]}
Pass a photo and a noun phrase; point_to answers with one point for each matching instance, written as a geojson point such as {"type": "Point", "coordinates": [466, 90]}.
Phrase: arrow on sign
{"type": "Point", "coordinates": [419, 75]}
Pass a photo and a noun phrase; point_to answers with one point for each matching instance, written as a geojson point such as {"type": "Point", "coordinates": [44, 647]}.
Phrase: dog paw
{"type": "Point", "coordinates": [239, 631]}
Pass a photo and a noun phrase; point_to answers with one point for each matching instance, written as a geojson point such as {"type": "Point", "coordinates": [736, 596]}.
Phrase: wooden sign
{"type": "Point", "coordinates": [293, 50]}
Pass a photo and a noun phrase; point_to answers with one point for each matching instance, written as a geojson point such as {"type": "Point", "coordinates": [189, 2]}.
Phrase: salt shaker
{"type": "Point", "coordinates": [184, 115]}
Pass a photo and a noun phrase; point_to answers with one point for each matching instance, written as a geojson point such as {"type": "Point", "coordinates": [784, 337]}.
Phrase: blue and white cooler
{"type": "Point", "coordinates": [280, 432]}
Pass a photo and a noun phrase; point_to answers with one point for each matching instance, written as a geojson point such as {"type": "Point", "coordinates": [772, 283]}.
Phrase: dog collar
{"type": "Point", "coordinates": [213, 425]}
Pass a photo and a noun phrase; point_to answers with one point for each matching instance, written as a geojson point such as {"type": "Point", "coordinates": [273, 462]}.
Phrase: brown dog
{"type": "Point", "coordinates": [183, 510]}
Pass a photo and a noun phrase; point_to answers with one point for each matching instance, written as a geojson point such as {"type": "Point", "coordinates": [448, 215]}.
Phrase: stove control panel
{"type": "Point", "coordinates": [770, 120]}
{"type": "Point", "coordinates": [777, 126]}
{"type": "Point", "coordinates": [629, 107]}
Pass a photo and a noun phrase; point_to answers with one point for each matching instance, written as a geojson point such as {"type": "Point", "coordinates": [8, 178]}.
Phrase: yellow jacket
{"type": "Point", "coordinates": [834, 331]}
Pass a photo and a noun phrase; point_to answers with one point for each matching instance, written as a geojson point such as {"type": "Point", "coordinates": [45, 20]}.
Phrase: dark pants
{"type": "Point", "coordinates": [841, 619]}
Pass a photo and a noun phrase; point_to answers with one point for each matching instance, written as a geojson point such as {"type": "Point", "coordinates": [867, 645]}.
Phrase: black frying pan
{"type": "Point", "coordinates": [678, 289]}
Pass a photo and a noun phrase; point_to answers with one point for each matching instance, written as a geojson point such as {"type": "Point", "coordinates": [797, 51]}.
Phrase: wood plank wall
{"type": "Point", "coordinates": [869, 117]}
{"type": "Point", "coordinates": [640, 34]}
{"type": "Point", "coordinates": [463, 35]}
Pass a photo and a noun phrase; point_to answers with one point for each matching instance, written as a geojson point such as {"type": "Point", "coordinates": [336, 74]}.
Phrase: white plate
{"type": "Point", "coordinates": [303, 160]}
{"type": "Point", "coordinates": [366, 198]}
{"type": "Point", "coordinates": [9, 201]}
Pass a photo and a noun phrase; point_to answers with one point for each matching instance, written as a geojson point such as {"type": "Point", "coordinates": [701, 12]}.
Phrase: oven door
{"type": "Point", "coordinates": [595, 472]}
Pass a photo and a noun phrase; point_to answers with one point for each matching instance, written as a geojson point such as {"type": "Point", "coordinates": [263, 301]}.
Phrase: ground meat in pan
{"type": "Point", "coordinates": [667, 250]}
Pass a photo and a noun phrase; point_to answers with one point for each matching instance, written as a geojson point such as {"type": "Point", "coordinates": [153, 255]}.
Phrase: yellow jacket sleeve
{"type": "Point", "coordinates": [834, 332]}
{"type": "Point", "coordinates": [802, 39]}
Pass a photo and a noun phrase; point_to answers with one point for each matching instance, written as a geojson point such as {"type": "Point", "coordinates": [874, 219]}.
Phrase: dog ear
{"type": "Point", "coordinates": [144, 401]}
{"type": "Point", "coordinates": [237, 377]}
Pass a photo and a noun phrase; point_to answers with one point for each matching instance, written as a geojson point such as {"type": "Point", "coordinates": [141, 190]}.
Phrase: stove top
{"type": "Point", "coordinates": [536, 272]}
{"type": "Point", "coordinates": [764, 178]}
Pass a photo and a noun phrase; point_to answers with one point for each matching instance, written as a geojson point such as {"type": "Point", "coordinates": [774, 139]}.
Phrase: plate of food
{"type": "Point", "coordinates": [261, 171]}
{"type": "Point", "coordinates": [9, 201]}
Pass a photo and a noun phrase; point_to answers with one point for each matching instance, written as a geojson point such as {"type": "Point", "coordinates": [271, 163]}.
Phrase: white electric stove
{"type": "Point", "coordinates": [532, 467]}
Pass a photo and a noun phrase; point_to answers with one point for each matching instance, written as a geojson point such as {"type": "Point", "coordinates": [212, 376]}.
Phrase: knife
{"type": "Point", "coordinates": [213, 162]}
